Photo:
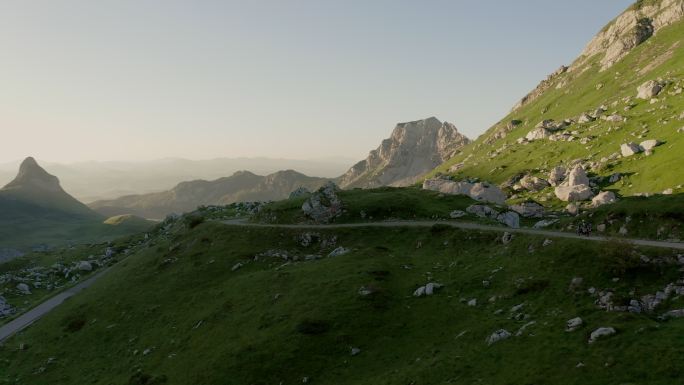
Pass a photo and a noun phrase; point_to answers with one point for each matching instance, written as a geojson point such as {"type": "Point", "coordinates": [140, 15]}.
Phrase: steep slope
{"type": "Point", "coordinates": [217, 304]}
{"type": "Point", "coordinates": [34, 187]}
{"type": "Point", "coordinates": [413, 149]}
{"type": "Point", "coordinates": [624, 89]}
{"type": "Point", "coordinates": [186, 196]}
{"type": "Point", "coordinates": [36, 212]}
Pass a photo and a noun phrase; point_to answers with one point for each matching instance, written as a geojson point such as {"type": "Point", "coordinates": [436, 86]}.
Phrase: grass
{"type": "Point", "coordinates": [201, 322]}
{"type": "Point", "coordinates": [659, 57]}
{"type": "Point", "coordinates": [384, 203]}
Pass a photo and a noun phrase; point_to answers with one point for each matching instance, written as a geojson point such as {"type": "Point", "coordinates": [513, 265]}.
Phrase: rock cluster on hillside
{"type": "Point", "coordinates": [323, 205]}
{"type": "Point", "coordinates": [479, 191]}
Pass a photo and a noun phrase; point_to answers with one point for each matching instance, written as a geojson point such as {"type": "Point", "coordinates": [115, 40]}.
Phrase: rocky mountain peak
{"type": "Point", "coordinates": [31, 175]}
{"type": "Point", "coordinates": [412, 149]}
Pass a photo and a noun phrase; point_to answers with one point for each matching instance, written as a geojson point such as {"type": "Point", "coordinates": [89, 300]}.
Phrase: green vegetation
{"type": "Point", "coordinates": [179, 312]}
{"type": "Point", "coordinates": [384, 203]}
{"type": "Point", "coordinates": [660, 57]}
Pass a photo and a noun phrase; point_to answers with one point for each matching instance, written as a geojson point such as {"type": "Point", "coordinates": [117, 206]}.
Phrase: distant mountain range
{"type": "Point", "coordinates": [413, 149]}
{"type": "Point", "coordinates": [186, 196]}
{"type": "Point", "coordinates": [92, 181]}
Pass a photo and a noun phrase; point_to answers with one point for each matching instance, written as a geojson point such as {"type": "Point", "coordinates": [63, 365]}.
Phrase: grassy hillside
{"type": "Point", "coordinates": [181, 312]}
{"type": "Point", "coordinates": [582, 90]}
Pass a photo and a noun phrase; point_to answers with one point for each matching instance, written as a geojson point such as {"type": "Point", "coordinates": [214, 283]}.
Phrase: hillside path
{"type": "Point", "coordinates": [31, 316]}
{"type": "Point", "coordinates": [460, 225]}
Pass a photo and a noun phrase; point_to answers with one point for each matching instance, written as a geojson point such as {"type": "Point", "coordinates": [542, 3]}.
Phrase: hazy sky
{"type": "Point", "coordinates": [136, 79]}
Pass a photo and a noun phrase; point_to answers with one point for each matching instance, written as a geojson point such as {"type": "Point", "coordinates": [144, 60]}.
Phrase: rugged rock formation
{"type": "Point", "coordinates": [482, 192]}
{"type": "Point", "coordinates": [187, 196]}
{"type": "Point", "coordinates": [413, 149]}
{"type": "Point", "coordinates": [631, 28]}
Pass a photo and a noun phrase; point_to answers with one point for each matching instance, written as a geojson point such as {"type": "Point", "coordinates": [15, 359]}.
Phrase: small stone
{"type": "Point", "coordinates": [355, 351]}
{"type": "Point", "coordinates": [601, 332]}
{"type": "Point", "coordinates": [497, 336]}
{"type": "Point", "coordinates": [472, 302]}
{"type": "Point", "coordinates": [573, 324]}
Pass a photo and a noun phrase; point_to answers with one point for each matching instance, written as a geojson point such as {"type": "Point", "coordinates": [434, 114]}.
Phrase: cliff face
{"type": "Point", "coordinates": [413, 149]}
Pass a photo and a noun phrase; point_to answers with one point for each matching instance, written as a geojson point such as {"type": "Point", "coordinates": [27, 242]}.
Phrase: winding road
{"type": "Point", "coordinates": [461, 225]}
{"type": "Point", "coordinates": [37, 312]}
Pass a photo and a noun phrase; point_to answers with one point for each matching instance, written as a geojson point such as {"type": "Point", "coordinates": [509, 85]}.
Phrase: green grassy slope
{"type": "Point", "coordinates": [179, 313]}
{"type": "Point", "coordinates": [584, 90]}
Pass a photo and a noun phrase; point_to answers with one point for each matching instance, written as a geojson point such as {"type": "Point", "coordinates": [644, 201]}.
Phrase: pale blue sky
{"type": "Point", "coordinates": [136, 79]}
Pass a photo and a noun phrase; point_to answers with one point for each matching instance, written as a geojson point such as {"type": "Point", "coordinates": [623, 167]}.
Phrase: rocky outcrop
{"type": "Point", "coordinates": [631, 28]}
{"type": "Point", "coordinates": [413, 149]}
{"type": "Point", "coordinates": [541, 87]}
{"type": "Point", "coordinates": [324, 205]}
{"type": "Point", "coordinates": [483, 192]}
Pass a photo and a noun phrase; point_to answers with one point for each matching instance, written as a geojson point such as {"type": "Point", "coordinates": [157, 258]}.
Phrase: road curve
{"type": "Point", "coordinates": [31, 316]}
{"type": "Point", "coordinates": [460, 225]}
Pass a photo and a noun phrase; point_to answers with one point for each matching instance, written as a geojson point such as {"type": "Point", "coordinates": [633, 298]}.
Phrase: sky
{"type": "Point", "coordinates": [301, 79]}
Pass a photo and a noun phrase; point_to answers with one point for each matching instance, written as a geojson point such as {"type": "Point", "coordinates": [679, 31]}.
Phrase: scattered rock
{"type": "Point", "coordinates": [457, 214]}
{"type": "Point", "coordinates": [649, 145]}
{"type": "Point", "coordinates": [472, 302]}
{"type": "Point", "coordinates": [533, 183]}
{"type": "Point", "coordinates": [427, 290]}
{"type": "Point", "coordinates": [483, 192]}
{"type": "Point", "coordinates": [23, 288]}
{"type": "Point", "coordinates": [576, 283]}
{"type": "Point", "coordinates": [506, 238]}
{"type": "Point", "coordinates": [85, 266]}
{"type": "Point", "coordinates": [497, 336]}
{"type": "Point", "coordinates": [602, 198]}
{"type": "Point", "coordinates": [601, 332]}
{"type": "Point", "coordinates": [482, 211]}
{"type": "Point", "coordinates": [355, 351]}
{"type": "Point", "coordinates": [529, 209]}
{"type": "Point", "coordinates": [236, 266]}
{"type": "Point", "coordinates": [649, 90]}
{"type": "Point", "coordinates": [510, 219]}
{"type": "Point", "coordinates": [573, 193]}
{"type": "Point", "coordinates": [629, 149]}
{"type": "Point", "coordinates": [547, 242]}
{"type": "Point", "coordinates": [338, 252]}
{"type": "Point", "coordinates": [556, 176]}
{"type": "Point", "coordinates": [573, 324]}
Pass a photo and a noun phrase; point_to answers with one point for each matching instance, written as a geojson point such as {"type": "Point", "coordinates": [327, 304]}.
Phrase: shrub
{"type": "Point", "coordinates": [619, 257]}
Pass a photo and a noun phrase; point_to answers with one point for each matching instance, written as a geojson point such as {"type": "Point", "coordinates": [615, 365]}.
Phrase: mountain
{"type": "Point", "coordinates": [413, 149]}
{"type": "Point", "coordinates": [35, 192]}
{"type": "Point", "coordinates": [616, 112]}
{"type": "Point", "coordinates": [91, 181]}
{"type": "Point", "coordinates": [186, 196]}
{"type": "Point", "coordinates": [36, 211]}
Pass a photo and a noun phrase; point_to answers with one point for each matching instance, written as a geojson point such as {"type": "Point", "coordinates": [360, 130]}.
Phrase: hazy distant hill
{"type": "Point", "coordinates": [34, 209]}
{"type": "Point", "coordinates": [91, 181]}
{"type": "Point", "coordinates": [186, 196]}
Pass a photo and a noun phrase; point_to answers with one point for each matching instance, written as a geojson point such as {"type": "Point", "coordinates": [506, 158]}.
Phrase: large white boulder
{"type": "Point", "coordinates": [648, 145]}
{"type": "Point", "coordinates": [629, 149]}
{"type": "Point", "coordinates": [604, 197]}
{"type": "Point", "coordinates": [577, 177]}
{"type": "Point", "coordinates": [479, 191]}
{"type": "Point", "coordinates": [573, 193]}
{"type": "Point", "coordinates": [649, 90]}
